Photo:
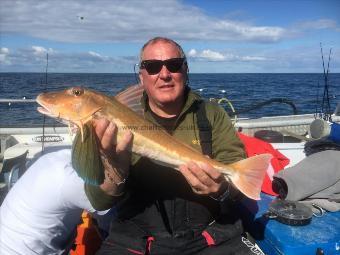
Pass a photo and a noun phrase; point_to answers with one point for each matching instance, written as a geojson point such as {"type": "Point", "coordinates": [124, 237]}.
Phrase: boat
{"type": "Point", "coordinates": [287, 134]}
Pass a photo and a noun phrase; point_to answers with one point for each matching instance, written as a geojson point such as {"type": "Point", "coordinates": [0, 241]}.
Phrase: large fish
{"type": "Point", "coordinates": [78, 105]}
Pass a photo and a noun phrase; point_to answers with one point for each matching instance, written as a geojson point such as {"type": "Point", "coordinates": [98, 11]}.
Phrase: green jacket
{"type": "Point", "coordinates": [226, 148]}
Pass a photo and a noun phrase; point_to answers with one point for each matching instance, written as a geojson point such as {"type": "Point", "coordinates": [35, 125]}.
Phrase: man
{"type": "Point", "coordinates": [160, 210]}
{"type": "Point", "coordinates": [40, 213]}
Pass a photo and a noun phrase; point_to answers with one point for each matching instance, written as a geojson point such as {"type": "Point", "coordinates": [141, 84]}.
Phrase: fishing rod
{"type": "Point", "coordinates": [44, 117]}
{"type": "Point", "coordinates": [325, 106]}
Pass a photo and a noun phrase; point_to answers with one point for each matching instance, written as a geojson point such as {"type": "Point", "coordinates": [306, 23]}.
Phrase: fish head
{"type": "Point", "coordinates": [74, 105]}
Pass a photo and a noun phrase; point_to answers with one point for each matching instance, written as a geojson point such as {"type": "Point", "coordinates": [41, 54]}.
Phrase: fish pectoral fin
{"type": "Point", "coordinates": [249, 174]}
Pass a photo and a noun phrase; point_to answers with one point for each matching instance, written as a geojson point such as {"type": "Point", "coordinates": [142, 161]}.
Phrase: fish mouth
{"type": "Point", "coordinates": [73, 127]}
{"type": "Point", "coordinates": [43, 109]}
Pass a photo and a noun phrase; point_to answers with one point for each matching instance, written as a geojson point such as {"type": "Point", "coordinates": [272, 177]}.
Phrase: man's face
{"type": "Point", "coordinates": [163, 88]}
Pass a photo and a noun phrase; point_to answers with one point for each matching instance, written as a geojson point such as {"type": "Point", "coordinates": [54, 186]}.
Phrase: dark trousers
{"type": "Point", "coordinates": [204, 243]}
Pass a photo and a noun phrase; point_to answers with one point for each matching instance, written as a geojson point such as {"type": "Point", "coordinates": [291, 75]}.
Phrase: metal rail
{"type": "Point", "coordinates": [10, 100]}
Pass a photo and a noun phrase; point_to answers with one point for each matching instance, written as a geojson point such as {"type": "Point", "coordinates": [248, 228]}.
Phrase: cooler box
{"type": "Point", "coordinates": [320, 237]}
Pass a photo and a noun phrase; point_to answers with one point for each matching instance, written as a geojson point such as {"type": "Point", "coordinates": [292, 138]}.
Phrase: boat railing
{"type": "Point", "coordinates": [11, 100]}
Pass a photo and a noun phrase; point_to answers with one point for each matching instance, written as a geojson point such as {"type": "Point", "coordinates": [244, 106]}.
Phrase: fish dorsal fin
{"type": "Point", "coordinates": [131, 97]}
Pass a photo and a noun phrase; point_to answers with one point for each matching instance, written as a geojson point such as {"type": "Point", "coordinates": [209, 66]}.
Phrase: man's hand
{"type": "Point", "coordinates": [115, 156]}
{"type": "Point", "coordinates": [204, 180]}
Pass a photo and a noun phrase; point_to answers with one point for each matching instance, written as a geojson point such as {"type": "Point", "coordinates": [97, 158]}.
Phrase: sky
{"type": "Point", "coordinates": [218, 36]}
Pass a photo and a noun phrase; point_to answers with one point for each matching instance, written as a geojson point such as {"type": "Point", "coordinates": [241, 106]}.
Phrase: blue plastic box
{"type": "Point", "coordinates": [321, 236]}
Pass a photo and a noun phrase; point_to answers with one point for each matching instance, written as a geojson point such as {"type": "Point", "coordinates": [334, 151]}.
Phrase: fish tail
{"type": "Point", "coordinates": [249, 174]}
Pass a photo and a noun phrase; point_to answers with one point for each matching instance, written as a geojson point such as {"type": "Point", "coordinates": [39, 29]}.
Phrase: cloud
{"type": "Point", "coordinates": [98, 57]}
{"type": "Point", "coordinates": [120, 21]}
{"type": "Point", "coordinates": [297, 59]}
{"type": "Point", "coordinates": [294, 59]}
{"type": "Point", "coordinates": [206, 54]}
{"type": "Point", "coordinates": [214, 56]}
{"type": "Point", "coordinates": [95, 54]}
{"type": "Point", "coordinates": [319, 24]}
{"type": "Point", "coordinates": [17, 59]}
{"type": "Point", "coordinates": [252, 58]}
{"type": "Point", "coordinates": [251, 33]}
{"type": "Point", "coordinates": [3, 55]}
{"type": "Point", "coordinates": [41, 51]}
{"type": "Point", "coordinates": [4, 50]}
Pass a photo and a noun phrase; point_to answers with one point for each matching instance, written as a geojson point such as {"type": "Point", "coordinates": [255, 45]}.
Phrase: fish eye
{"type": "Point", "coordinates": [77, 91]}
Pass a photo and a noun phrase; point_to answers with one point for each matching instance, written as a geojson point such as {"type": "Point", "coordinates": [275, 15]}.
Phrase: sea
{"type": "Point", "coordinates": [251, 95]}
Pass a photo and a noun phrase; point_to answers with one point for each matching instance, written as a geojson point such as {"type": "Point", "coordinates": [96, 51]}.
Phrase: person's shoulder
{"type": "Point", "coordinates": [213, 108]}
{"type": "Point", "coordinates": [58, 157]}
{"type": "Point", "coordinates": [61, 154]}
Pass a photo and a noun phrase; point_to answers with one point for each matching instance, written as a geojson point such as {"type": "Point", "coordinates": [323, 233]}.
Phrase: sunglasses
{"type": "Point", "coordinates": [154, 66]}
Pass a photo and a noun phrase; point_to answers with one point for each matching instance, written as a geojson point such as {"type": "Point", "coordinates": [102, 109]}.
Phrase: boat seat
{"type": "Point", "coordinates": [11, 170]}
{"type": "Point", "coordinates": [6, 142]}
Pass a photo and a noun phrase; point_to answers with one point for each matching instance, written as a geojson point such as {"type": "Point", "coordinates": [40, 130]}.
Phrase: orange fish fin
{"type": "Point", "coordinates": [131, 97]}
{"type": "Point", "coordinates": [250, 173]}
{"type": "Point", "coordinates": [81, 126]}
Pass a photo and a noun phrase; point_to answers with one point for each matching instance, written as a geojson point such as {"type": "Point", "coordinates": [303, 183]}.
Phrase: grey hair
{"type": "Point", "coordinates": [161, 39]}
